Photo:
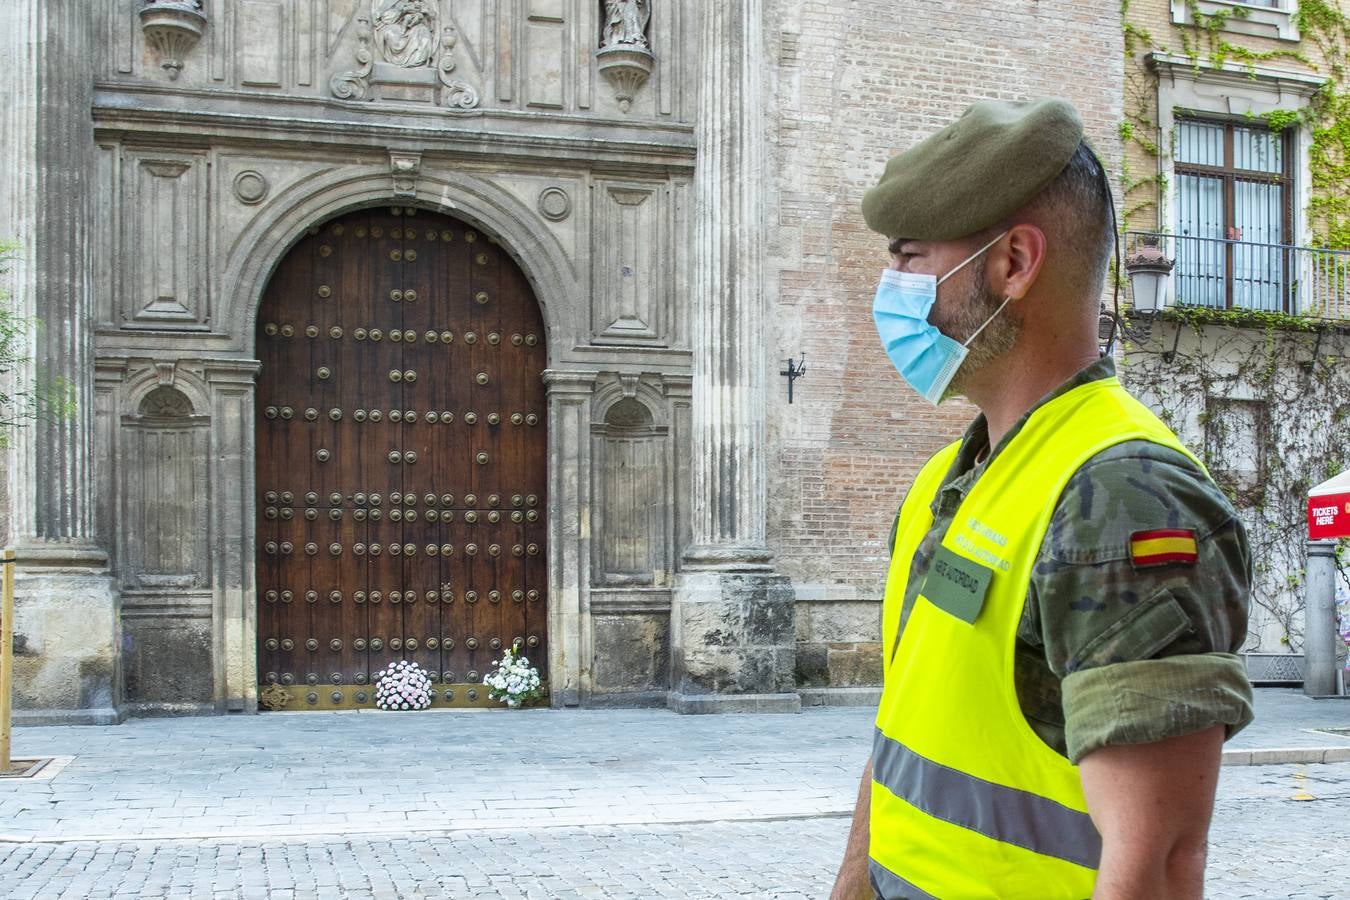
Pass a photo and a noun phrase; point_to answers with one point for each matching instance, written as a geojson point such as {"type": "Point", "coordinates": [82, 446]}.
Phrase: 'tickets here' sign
{"type": "Point", "coordinates": [1329, 509]}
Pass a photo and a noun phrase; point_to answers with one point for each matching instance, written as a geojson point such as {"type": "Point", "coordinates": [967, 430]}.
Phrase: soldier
{"type": "Point", "coordinates": [1067, 588]}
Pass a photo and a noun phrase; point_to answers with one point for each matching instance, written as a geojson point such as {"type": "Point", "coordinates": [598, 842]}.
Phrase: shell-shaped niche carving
{"type": "Point", "coordinates": [173, 28]}
{"type": "Point", "coordinates": [628, 413]}
{"type": "Point", "coordinates": [166, 403]}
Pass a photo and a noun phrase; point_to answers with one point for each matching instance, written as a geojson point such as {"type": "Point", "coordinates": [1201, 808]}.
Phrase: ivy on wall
{"type": "Point", "coordinates": [1281, 377]}
{"type": "Point", "coordinates": [1322, 25]}
{"type": "Point", "coordinates": [1295, 386]}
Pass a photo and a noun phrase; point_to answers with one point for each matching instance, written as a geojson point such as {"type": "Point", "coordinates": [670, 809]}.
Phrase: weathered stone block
{"type": "Point", "coordinates": [837, 622]}
{"type": "Point", "coordinates": [168, 662]}
{"type": "Point", "coordinates": [734, 633]}
{"type": "Point", "coordinates": [633, 652]}
{"type": "Point", "coordinates": [71, 670]}
{"type": "Point", "coordinates": [770, 618]}
{"type": "Point", "coordinates": [812, 664]}
{"type": "Point", "coordinates": [855, 664]}
{"type": "Point", "coordinates": [719, 623]}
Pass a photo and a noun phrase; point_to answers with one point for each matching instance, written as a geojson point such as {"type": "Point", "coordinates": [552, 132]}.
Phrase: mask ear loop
{"type": "Point", "coordinates": [1006, 301]}
{"type": "Point", "coordinates": [965, 262]}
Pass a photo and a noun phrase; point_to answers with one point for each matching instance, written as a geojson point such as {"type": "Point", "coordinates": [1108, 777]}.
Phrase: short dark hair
{"type": "Point", "coordinates": [1077, 213]}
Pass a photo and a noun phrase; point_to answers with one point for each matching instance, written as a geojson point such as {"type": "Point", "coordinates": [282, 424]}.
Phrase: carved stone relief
{"type": "Point", "coordinates": [405, 32]}
{"type": "Point", "coordinates": [406, 167]}
{"type": "Point", "coordinates": [632, 510]}
{"type": "Point", "coordinates": [165, 403]}
{"type": "Point", "coordinates": [354, 84]}
{"type": "Point", "coordinates": [407, 50]}
{"type": "Point", "coordinates": [164, 454]}
{"type": "Point", "coordinates": [631, 288]}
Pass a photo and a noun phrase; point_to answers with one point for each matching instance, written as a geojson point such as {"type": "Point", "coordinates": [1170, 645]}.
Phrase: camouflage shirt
{"type": "Point", "coordinates": [1108, 653]}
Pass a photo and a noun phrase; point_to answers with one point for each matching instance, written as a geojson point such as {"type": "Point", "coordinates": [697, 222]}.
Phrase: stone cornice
{"type": "Point", "coordinates": [1238, 75]}
{"type": "Point", "coordinates": [210, 117]}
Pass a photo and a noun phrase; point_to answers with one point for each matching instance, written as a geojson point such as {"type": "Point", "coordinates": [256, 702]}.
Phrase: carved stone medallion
{"type": "Point", "coordinates": [554, 204]}
{"type": "Point", "coordinates": [250, 187]}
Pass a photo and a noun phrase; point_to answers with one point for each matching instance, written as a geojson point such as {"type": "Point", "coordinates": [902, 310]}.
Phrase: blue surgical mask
{"type": "Point", "coordinates": [924, 356]}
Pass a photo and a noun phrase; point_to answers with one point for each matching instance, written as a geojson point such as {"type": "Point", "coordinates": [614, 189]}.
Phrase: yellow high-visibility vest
{"type": "Point", "coordinates": [967, 800]}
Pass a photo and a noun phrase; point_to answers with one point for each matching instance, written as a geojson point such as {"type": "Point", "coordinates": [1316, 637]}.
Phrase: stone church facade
{"type": "Point", "coordinates": [416, 328]}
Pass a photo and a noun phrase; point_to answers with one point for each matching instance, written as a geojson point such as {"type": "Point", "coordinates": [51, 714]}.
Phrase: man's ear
{"type": "Point", "coordinates": [1013, 271]}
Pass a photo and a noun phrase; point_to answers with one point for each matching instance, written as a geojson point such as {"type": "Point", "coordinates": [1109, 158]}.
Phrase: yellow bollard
{"type": "Point", "coordinates": [6, 655]}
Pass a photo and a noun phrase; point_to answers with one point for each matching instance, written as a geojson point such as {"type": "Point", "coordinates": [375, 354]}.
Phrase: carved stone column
{"type": "Point", "coordinates": [67, 615]}
{"type": "Point", "coordinates": [732, 618]}
{"type": "Point", "coordinates": [570, 636]}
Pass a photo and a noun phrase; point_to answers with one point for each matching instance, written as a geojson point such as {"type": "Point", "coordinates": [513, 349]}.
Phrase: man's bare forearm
{"type": "Point", "coordinates": [852, 881]}
{"type": "Point", "coordinates": [1152, 804]}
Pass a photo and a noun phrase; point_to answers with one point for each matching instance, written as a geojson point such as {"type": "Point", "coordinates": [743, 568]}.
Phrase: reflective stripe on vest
{"type": "Point", "coordinates": [1002, 813]}
{"type": "Point", "coordinates": [888, 884]}
{"type": "Point", "coordinates": [967, 800]}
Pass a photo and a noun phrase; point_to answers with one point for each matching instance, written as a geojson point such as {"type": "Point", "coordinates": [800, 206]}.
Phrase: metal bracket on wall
{"type": "Point", "coordinates": [795, 369]}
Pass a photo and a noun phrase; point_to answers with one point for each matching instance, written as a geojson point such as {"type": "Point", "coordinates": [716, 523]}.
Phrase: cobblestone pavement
{"type": "Point", "coordinates": [607, 804]}
{"type": "Point", "coordinates": [783, 859]}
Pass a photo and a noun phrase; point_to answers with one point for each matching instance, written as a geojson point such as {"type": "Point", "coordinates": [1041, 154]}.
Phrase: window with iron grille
{"type": "Point", "coordinates": [1234, 215]}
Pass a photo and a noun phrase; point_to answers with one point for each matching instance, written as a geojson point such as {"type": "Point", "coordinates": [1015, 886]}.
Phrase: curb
{"type": "Point", "coordinates": [1286, 756]}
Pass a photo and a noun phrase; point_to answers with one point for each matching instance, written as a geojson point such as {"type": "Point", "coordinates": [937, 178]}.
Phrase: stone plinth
{"type": "Point", "coordinates": [732, 643]}
{"type": "Point", "coordinates": [66, 645]}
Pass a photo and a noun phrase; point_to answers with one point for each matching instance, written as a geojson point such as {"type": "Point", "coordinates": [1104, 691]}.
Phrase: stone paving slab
{"type": "Point", "coordinates": [1291, 727]}
{"type": "Point", "coordinates": [1265, 843]}
{"type": "Point", "coordinates": [608, 804]}
{"type": "Point", "coordinates": [314, 774]}
{"type": "Point", "coordinates": [341, 773]}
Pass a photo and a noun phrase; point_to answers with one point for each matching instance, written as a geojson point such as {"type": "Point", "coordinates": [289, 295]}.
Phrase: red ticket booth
{"type": "Point", "coordinates": [1329, 509]}
{"type": "Point", "coordinates": [1328, 521]}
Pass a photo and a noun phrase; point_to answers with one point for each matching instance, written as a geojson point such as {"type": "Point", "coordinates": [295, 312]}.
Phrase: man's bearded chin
{"type": "Point", "coordinates": [960, 321]}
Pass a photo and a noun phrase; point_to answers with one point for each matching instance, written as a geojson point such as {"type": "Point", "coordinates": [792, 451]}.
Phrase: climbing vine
{"type": "Point", "coordinates": [1266, 407]}
{"type": "Point", "coordinates": [1264, 397]}
{"type": "Point", "coordinates": [1205, 39]}
{"type": "Point", "coordinates": [16, 403]}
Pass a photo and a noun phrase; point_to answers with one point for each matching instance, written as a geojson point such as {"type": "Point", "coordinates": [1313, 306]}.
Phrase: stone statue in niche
{"type": "Point", "coordinates": [626, 23]}
{"type": "Point", "coordinates": [406, 33]}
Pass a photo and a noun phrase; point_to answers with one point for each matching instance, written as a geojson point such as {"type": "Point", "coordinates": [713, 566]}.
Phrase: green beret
{"type": "Point", "coordinates": [975, 172]}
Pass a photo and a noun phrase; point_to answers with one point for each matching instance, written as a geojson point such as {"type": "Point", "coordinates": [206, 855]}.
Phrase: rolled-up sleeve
{"type": "Point", "coordinates": [1144, 652]}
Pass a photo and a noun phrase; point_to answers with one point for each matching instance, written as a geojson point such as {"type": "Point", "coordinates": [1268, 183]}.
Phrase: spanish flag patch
{"type": "Point", "coordinates": [1163, 546]}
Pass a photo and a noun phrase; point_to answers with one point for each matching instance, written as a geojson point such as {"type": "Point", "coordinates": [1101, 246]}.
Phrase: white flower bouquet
{"type": "Point", "coordinates": [402, 685]}
{"type": "Point", "coordinates": [514, 681]}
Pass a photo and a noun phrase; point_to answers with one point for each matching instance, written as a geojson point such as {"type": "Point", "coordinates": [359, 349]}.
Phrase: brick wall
{"type": "Point", "coordinates": [854, 84]}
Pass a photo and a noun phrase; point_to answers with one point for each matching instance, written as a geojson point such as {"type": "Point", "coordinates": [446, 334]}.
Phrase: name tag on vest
{"type": "Point", "coordinates": [956, 584]}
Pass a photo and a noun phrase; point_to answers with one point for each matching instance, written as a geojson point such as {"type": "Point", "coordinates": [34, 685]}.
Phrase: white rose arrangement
{"type": "Point", "coordinates": [514, 681]}
{"type": "Point", "coordinates": [402, 685]}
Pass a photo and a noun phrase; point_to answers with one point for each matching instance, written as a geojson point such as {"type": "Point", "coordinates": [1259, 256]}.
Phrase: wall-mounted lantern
{"type": "Point", "coordinates": [1149, 269]}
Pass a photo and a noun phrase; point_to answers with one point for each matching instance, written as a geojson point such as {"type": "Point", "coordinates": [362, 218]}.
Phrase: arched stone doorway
{"type": "Point", "coordinates": [401, 460]}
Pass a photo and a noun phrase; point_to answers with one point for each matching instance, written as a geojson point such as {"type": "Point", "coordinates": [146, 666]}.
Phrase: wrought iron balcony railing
{"type": "Point", "coordinates": [1240, 275]}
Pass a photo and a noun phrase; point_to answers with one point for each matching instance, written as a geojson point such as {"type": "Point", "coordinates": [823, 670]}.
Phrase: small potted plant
{"type": "Point", "coordinates": [515, 680]}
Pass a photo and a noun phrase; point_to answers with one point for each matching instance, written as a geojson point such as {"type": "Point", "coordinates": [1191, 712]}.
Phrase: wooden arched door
{"type": "Point", "coordinates": [402, 461]}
